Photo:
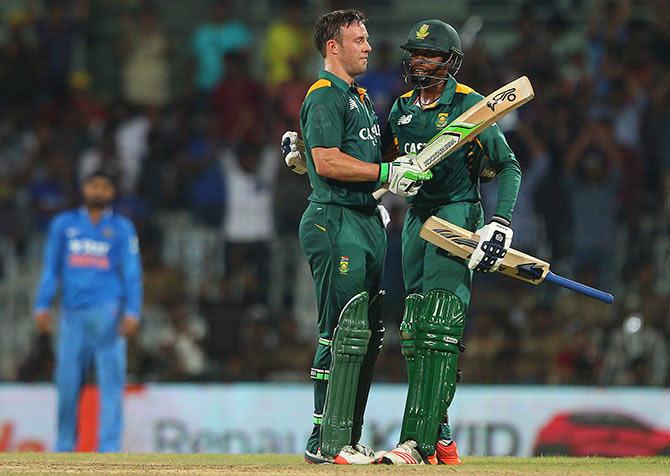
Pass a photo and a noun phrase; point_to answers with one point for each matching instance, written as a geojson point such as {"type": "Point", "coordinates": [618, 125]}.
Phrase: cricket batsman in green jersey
{"type": "Point", "coordinates": [343, 237]}
{"type": "Point", "coordinates": [437, 285]}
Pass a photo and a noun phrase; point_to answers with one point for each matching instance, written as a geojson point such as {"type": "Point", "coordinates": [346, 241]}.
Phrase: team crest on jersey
{"type": "Point", "coordinates": [405, 119]}
{"type": "Point", "coordinates": [344, 264]}
{"type": "Point", "coordinates": [71, 232]}
{"type": "Point", "coordinates": [441, 120]}
{"type": "Point", "coordinates": [422, 32]}
{"type": "Point", "coordinates": [352, 104]}
{"type": "Point", "coordinates": [107, 232]}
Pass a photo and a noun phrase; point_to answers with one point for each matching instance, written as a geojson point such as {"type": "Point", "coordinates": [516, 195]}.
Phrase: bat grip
{"type": "Point", "coordinates": [377, 194]}
{"type": "Point", "coordinates": [579, 287]}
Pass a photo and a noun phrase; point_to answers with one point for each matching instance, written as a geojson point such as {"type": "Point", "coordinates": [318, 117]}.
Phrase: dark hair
{"type": "Point", "coordinates": [102, 173]}
{"type": "Point", "coordinates": [328, 26]}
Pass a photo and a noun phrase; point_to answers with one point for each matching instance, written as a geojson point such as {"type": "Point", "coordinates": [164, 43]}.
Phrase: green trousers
{"type": "Point", "coordinates": [425, 266]}
{"type": "Point", "coordinates": [345, 249]}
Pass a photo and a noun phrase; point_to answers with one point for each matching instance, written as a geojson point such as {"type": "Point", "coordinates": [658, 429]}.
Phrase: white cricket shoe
{"type": "Point", "coordinates": [347, 455]}
{"type": "Point", "coordinates": [404, 453]}
{"type": "Point", "coordinates": [367, 451]}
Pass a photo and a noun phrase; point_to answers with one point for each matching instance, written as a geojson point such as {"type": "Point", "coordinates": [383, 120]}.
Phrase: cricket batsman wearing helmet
{"type": "Point", "coordinates": [342, 235]}
{"type": "Point", "coordinates": [438, 285]}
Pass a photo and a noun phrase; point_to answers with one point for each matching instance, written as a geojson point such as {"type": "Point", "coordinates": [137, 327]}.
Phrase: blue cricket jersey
{"type": "Point", "coordinates": [92, 263]}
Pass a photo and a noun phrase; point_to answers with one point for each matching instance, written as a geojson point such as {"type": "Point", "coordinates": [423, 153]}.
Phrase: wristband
{"type": "Point", "coordinates": [384, 169]}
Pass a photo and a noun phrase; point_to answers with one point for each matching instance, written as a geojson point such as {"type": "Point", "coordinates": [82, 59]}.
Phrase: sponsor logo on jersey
{"type": "Point", "coordinates": [71, 232]}
{"type": "Point", "coordinates": [107, 232]}
{"type": "Point", "coordinates": [86, 253]}
{"type": "Point", "coordinates": [441, 120]}
{"type": "Point", "coordinates": [344, 264]}
{"type": "Point", "coordinates": [370, 133]}
{"type": "Point", "coordinates": [352, 104]}
{"type": "Point", "coordinates": [413, 147]}
{"type": "Point", "coordinates": [405, 119]}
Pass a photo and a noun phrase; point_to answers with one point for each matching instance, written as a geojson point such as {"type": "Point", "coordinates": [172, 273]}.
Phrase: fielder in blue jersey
{"type": "Point", "coordinates": [92, 257]}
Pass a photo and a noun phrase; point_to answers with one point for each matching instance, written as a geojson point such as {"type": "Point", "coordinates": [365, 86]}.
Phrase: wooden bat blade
{"type": "Point", "coordinates": [465, 127]}
{"type": "Point", "coordinates": [473, 121]}
{"type": "Point", "coordinates": [461, 243]}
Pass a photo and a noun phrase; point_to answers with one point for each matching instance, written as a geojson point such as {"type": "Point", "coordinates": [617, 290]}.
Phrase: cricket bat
{"type": "Point", "coordinates": [462, 243]}
{"type": "Point", "coordinates": [465, 127]}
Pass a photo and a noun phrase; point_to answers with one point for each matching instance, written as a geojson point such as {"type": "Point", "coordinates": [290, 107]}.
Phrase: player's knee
{"type": "Point", "coordinates": [441, 322]}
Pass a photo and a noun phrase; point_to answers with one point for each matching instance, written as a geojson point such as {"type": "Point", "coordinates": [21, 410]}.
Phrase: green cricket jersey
{"type": "Point", "coordinates": [455, 179]}
{"type": "Point", "coordinates": [336, 114]}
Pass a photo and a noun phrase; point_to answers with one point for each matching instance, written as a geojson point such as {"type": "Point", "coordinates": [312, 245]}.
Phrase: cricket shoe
{"type": "Point", "coordinates": [406, 453]}
{"type": "Point", "coordinates": [447, 452]}
{"type": "Point", "coordinates": [367, 451]}
{"type": "Point", "coordinates": [347, 455]}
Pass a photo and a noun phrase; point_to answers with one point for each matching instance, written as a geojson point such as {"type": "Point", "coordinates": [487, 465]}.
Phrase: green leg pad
{"type": "Point", "coordinates": [412, 312]}
{"type": "Point", "coordinates": [438, 331]}
{"type": "Point", "coordinates": [350, 344]}
{"type": "Point", "coordinates": [376, 323]}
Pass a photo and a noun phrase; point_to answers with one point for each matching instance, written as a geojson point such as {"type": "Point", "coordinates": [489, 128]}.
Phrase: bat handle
{"type": "Point", "coordinates": [579, 287]}
{"type": "Point", "coordinates": [377, 194]}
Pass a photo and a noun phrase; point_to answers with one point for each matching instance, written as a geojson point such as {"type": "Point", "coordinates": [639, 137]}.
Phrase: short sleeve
{"type": "Point", "coordinates": [324, 118]}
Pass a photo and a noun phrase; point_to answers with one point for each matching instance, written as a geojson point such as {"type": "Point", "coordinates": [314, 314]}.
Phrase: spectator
{"type": "Point", "coordinates": [287, 45]}
{"type": "Point", "coordinates": [248, 226]}
{"type": "Point", "coordinates": [593, 165]}
{"type": "Point", "coordinates": [60, 34]}
{"type": "Point", "coordinates": [181, 342]}
{"type": "Point", "coordinates": [636, 354]}
{"type": "Point", "coordinates": [213, 40]}
{"type": "Point", "coordinates": [238, 102]}
{"type": "Point", "coordinates": [146, 69]}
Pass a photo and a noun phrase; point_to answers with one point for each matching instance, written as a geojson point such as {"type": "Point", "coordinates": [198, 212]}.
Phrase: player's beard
{"type": "Point", "coordinates": [97, 203]}
{"type": "Point", "coordinates": [357, 68]}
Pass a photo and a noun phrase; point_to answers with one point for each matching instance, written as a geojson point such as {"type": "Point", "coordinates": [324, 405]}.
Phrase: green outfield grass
{"type": "Point", "coordinates": [53, 463]}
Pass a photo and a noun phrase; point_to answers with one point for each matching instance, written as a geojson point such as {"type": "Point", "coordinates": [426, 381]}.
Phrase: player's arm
{"type": "Point", "coordinates": [332, 163]}
{"type": "Point", "coordinates": [131, 270]}
{"type": "Point", "coordinates": [324, 128]}
{"type": "Point", "coordinates": [496, 236]}
{"type": "Point", "coordinates": [508, 171]}
{"type": "Point", "coordinates": [389, 145]}
{"type": "Point", "coordinates": [52, 265]}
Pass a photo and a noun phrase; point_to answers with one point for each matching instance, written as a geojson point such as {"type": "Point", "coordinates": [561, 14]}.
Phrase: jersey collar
{"type": "Point", "coordinates": [342, 84]}
{"type": "Point", "coordinates": [106, 213]}
{"type": "Point", "coordinates": [446, 97]}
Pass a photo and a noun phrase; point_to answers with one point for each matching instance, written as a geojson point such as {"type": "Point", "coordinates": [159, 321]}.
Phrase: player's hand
{"type": "Point", "coordinates": [403, 176]}
{"type": "Point", "coordinates": [494, 241]}
{"type": "Point", "coordinates": [129, 326]}
{"type": "Point", "coordinates": [43, 322]}
{"type": "Point", "coordinates": [293, 150]}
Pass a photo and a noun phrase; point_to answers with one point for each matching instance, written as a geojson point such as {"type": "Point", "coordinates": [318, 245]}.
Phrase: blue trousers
{"type": "Point", "coordinates": [84, 337]}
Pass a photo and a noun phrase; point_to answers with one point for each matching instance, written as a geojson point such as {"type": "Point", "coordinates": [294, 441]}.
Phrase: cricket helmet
{"type": "Point", "coordinates": [436, 35]}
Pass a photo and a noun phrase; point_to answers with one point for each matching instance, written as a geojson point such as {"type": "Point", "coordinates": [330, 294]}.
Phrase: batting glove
{"type": "Point", "coordinates": [494, 241]}
{"type": "Point", "coordinates": [403, 176]}
{"type": "Point", "coordinates": [293, 150]}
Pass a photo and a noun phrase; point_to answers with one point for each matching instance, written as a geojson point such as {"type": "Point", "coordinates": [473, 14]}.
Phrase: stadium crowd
{"type": "Point", "coordinates": [195, 148]}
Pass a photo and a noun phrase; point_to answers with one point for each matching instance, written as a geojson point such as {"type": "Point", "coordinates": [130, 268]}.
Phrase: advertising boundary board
{"type": "Point", "coordinates": [265, 417]}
